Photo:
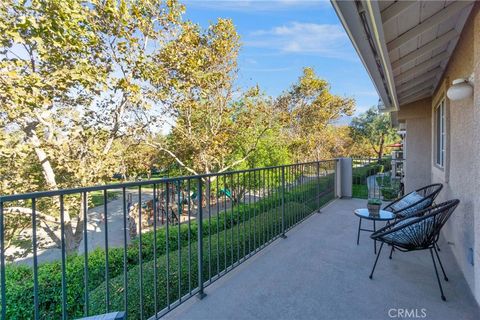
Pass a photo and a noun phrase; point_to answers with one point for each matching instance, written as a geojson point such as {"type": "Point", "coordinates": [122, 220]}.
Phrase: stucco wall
{"type": "Point", "coordinates": [417, 116]}
{"type": "Point", "coordinates": [476, 151]}
{"type": "Point", "coordinates": [460, 173]}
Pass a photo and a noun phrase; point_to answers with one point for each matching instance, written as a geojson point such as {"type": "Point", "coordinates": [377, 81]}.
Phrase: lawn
{"type": "Point", "coordinates": [97, 197]}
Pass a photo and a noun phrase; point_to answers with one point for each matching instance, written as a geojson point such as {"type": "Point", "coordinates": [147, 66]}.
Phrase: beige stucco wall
{"type": "Point", "coordinates": [460, 173]}
{"type": "Point", "coordinates": [417, 116]}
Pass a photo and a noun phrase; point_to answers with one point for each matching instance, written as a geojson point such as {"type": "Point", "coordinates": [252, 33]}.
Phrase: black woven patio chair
{"type": "Point", "coordinates": [428, 194]}
{"type": "Point", "coordinates": [426, 197]}
{"type": "Point", "coordinates": [417, 233]}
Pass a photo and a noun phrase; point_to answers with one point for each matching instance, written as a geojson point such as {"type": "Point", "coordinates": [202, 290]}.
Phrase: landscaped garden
{"type": "Point", "coordinates": [228, 237]}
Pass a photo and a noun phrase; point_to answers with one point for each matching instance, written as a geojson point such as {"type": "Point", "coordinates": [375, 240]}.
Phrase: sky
{"type": "Point", "coordinates": [281, 37]}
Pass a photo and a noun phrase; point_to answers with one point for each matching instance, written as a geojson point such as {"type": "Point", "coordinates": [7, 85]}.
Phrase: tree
{"type": "Point", "coordinates": [73, 81]}
{"type": "Point", "coordinates": [373, 128]}
{"type": "Point", "coordinates": [311, 110]}
{"type": "Point", "coordinates": [195, 85]}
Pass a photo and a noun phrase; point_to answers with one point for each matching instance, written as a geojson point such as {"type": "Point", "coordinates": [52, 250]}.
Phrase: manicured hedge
{"type": "Point", "coordinates": [235, 240]}
{"type": "Point", "coordinates": [19, 278]}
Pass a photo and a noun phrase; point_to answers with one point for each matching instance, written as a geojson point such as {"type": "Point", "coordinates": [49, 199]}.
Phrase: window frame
{"type": "Point", "coordinates": [440, 134]}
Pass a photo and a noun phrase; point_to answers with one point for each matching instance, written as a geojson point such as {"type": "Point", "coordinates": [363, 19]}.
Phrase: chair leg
{"type": "Point", "coordinates": [441, 265]}
{"type": "Point", "coordinates": [376, 260]}
{"type": "Point", "coordinates": [436, 273]}
{"type": "Point", "coordinates": [438, 247]}
{"type": "Point", "coordinates": [391, 252]}
{"type": "Point", "coordinates": [358, 234]}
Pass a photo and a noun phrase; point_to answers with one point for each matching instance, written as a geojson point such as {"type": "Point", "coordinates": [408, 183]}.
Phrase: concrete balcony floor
{"type": "Point", "coordinates": [319, 272]}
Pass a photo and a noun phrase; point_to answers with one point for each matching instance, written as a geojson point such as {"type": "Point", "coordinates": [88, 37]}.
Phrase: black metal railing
{"type": "Point", "coordinates": [151, 245]}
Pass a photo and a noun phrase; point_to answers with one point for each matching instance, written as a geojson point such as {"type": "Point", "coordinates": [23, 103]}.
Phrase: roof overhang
{"type": "Point", "coordinates": [404, 45]}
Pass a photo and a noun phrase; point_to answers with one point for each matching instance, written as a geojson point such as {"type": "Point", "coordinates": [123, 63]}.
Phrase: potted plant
{"type": "Point", "coordinates": [373, 206]}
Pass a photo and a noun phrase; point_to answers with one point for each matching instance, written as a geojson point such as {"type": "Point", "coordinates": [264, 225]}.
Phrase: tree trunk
{"type": "Point", "coordinates": [71, 242]}
{"type": "Point", "coordinates": [380, 149]}
{"type": "Point", "coordinates": [43, 160]}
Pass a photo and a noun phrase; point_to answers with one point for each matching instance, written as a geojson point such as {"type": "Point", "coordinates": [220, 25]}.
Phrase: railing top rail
{"type": "Point", "coordinates": [115, 186]}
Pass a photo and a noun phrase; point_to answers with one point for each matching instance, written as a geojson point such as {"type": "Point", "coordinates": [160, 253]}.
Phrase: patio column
{"type": "Point", "coordinates": [343, 188]}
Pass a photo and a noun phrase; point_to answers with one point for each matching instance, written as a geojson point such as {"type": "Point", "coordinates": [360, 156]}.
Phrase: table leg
{"type": "Point", "coordinates": [374, 241]}
{"type": "Point", "coordinates": [358, 233]}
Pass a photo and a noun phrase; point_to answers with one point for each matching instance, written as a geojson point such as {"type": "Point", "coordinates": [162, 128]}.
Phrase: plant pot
{"type": "Point", "coordinates": [373, 209]}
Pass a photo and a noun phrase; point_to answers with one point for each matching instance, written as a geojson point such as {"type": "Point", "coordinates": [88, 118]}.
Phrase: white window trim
{"type": "Point", "coordinates": [440, 162]}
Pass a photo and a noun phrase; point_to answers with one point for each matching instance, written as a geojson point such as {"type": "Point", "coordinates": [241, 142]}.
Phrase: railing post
{"type": "Point", "coordinates": [201, 294]}
{"type": "Point", "coordinates": [318, 186]}
{"type": "Point", "coordinates": [283, 203]}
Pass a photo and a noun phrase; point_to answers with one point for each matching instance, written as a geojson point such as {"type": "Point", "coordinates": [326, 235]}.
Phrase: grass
{"type": "Point", "coordinates": [360, 191]}
{"type": "Point", "coordinates": [97, 197]}
{"type": "Point", "coordinates": [360, 175]}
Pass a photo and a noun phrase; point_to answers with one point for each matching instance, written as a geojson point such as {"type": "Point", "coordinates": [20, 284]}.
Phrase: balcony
{"type": "Point", "coordinates": [165, 241]}
{"type": "Point", "coordinates": [319, 272]}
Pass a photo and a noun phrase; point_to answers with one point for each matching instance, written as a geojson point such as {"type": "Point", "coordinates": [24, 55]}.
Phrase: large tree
{"type": "Point", "coordinates": [73, 80]}
{"type": "Point", "coordinates": [374, 129]}
{"type": "Point", "coordinates": [311, 110]}
{"type": "Point", "coordinates": [210, 120]}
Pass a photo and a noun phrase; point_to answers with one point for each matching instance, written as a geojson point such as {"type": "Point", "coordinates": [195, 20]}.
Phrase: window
{"type": "Point", "coordinates": [440, 134]}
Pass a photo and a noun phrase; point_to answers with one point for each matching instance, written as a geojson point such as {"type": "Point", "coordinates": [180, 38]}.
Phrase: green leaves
{"type": "Point", "coordinates": [373, 129]}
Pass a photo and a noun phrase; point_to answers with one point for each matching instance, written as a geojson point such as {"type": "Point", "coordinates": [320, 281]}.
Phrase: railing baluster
{"type": "Point", "coordinates": [201, 294]}
{"type": "Point", "coordinates": [237, 200]}
{"type": "Point", "coordinates": [244, 242]}
{"type": "Point", "coordinates": [125, 256]}
{"type": "Point", "coordinates": [62, 240]}
{"type": "Point", "coordinates": [167, 247]}
{"type": "Point", "coordinates": [283, 202]}
{"type": "Point", "coordinates": [179, 241]}
{"type": "Point", "coordinates": [218, 226]}
{"type": "Point", "coordinates": [318, 186]}
{"type": "Point", "coordinates": [209, 230]}
{"type": "Point", "coordinates": [140, 258]}
{"type": "Point", "coordinates": [155, 278]}
{"type": "Point", "coordinates": [85, 252]}
{"type": "Point", "coordinates": [255, 213]}
{"type": "Point", "coordinates": [35, 262]}
{"type": "Point", "coordinates": [225, 223]}
{"type": "Point", "coordinates": [232, 243]}
{"type": "Point", "coordinates": [262, 206]}
{"type": "Point", "coordinates": [189, 238]}
{"type": "Point", "coordinates": [269, 217]}
{"type": "Point", "coordinates": [249, 214]}
{"type": "Point", "coordinates": [107, 278]}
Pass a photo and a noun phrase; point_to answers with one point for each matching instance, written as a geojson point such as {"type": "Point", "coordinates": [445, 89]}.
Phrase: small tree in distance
{"type": "Point", "coordinates": [374, 129]}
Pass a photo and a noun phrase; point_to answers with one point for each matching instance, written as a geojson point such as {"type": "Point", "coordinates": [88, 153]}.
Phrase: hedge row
{"type": "Point", "coordinates": [19, 278]}
{"type": "Point", "coordinates": [226, 249]}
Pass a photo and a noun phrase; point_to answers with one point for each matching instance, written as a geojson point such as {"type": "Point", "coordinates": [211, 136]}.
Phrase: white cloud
{"type": "Point", "coordinates": [327, 40]}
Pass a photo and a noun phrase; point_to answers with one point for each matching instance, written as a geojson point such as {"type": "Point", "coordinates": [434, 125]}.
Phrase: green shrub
{"type": "Point", "coordinates": [299, 201]}
{"type": "Point", "coordinates": [227, 244]}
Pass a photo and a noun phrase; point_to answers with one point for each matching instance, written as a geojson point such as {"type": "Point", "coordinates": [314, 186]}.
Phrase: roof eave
{"type": "Point", "coordinates": [369, 46]}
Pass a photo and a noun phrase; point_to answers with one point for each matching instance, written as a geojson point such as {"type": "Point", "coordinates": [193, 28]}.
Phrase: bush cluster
{"type": "Point", "coordinates": [299, 201]}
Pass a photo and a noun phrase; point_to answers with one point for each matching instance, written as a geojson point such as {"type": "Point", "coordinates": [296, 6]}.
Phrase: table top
{"type": "Point", "coordinates": [383, 215]}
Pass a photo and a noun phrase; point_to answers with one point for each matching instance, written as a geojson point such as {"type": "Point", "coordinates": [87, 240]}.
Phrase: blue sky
{"type": "Point", "coordinates": [281, 37]}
